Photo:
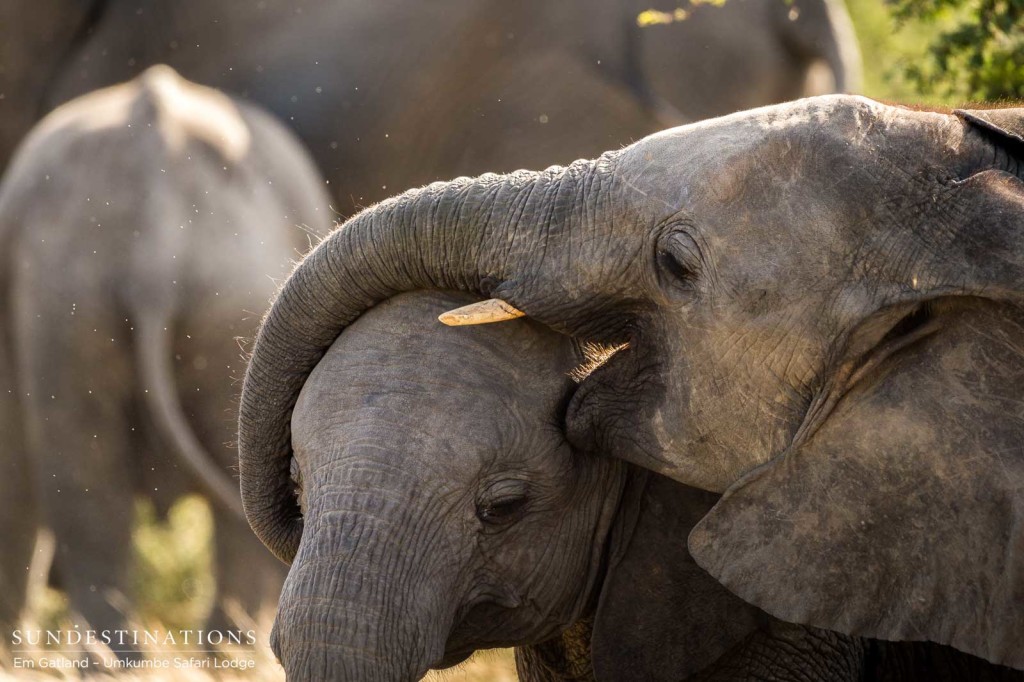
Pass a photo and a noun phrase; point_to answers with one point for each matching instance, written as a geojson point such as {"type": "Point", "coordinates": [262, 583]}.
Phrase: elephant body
{"type": "Point", "coordinates": [142, 227]}
{"type": "Point", "coordinates": [393, 93]}
{"type": "Point", "coordinates": [815, 311]}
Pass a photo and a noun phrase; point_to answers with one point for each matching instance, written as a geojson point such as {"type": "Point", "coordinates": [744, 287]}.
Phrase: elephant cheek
{"type": "Point", "coordinates": [635, 409]}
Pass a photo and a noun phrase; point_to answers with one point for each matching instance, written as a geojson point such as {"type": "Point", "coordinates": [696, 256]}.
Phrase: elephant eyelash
{"type": "Point", "coordinates": [679, 272]}
{"type": "Point", "coordinates": [500, 511]}
{"type": "Point", "coordinates": [678, 258]}
{"type": "Point", "coordinates": [502, 503]}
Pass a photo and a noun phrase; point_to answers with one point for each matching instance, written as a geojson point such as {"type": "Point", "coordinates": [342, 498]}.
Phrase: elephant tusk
{"type": "Point", "coordinates": [484, 312]}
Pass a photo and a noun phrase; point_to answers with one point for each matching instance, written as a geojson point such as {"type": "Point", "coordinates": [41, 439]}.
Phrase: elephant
{"type": "Point", "coordinates": [141, 229]}
{"type": "Point", "coordinates": [811, 308]}
{"type": "Point", "coordinates": [395, 93]}
{"type": "Point", "coordinates": [444, 512]}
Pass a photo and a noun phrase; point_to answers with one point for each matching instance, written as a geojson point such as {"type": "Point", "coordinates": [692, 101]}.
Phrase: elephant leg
{"type": "Point", "coordinates": [78, 408]}
{"type": "Point", "coordinates": [909, 661]}
{"type": "Point", "coordinates": [91, 514]}
{"type": "Point", "coordinates": [792, 653]}
{"type": "Point", "coordinates": [18, 515]}
{"type": "Point", "coordinates": [18, 528]}
{"type": "Point", "coordinates": [248, 577]}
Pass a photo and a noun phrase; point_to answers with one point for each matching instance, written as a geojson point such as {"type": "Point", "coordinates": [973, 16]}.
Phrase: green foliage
{"type": "Point", "coordinates": [943, 52]}
{"type": "Point", "coordinates": [174, 583]}
{"type": "Point", "coordinates": [978, 55]}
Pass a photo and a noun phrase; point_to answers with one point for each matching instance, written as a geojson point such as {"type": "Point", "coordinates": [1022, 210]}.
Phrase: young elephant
{"type": "Point", "coordinates": [142, 230]}
{"type": "Point", "coordinates": [444, 512]}
{"type": "Point", "coordinates": [443, 509]}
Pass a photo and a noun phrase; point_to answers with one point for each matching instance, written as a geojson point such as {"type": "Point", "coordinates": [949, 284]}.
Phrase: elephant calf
{"type": "Point", "coordinates": [443, 511]}
{"type": "Point", "coordinates": [142, 228]}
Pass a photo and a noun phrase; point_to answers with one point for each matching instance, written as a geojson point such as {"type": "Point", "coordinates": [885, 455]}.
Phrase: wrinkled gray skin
{"type": "Point", "coordinates": [444, 509]}
{"type": "Point", "coordinates": [821, 301]}
{"type": "Point", "coordinates": [389, 94]}
{"type": "Point", "coordinates": [661, 617]}
{"type": "Point", "coordinates": [445, 512]}
{"type": "Point", "coordinates": [142, 228]}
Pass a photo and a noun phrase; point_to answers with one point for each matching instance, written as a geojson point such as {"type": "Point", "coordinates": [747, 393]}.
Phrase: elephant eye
{"type": "Point", "coordinates": [679, 260]}
{"type": "Point", "coordinates": [502, 502]}
{"type": "Point", "coordinates": [502, 510]}
{"type": "Point", "coordinates": [678, 271]}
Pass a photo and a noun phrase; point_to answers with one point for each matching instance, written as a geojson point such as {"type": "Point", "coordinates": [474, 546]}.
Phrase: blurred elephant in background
{"type": "Point", "coordinates": [444, 512]}
{"type": "Point", "coordinates": [394, 93]}
{"type": "Point", "coordinates": [143, 229]}
{"type": "Point", "coordinates": [817, 307]}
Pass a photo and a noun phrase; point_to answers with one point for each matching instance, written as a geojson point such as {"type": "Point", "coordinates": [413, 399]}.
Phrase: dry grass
{"type": "Point", "coordinates": [174, 588]}
{"type": "Point", "coordinates": [485, 666]}
{"type": "Point", "coordinates": [490, 666]}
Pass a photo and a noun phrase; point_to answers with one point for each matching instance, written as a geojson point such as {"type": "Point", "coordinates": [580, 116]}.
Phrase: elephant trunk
{"type": "Point", "coordinates": [473, 235]}
{"type": "Point", "coordinates": [347, 623]}
{"type": "Point", "coordinates": [365, 599]}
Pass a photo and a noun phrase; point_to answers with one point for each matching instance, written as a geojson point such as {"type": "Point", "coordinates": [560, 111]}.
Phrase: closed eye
{"type": "Point", "coordinates": [675, 269]}
{"type": "Point", "coordinates": [679, 261]}
{"type": "Point", "coordinates": [500, 511]}
{"type": "Point", "coordinates": [502, 502]}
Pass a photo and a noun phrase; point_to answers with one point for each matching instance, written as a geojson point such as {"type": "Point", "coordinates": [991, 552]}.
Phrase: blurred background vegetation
{"type": "Point", "coordinates": [936, 52]}
{"type": "Point", "coordinates": [942, 52]}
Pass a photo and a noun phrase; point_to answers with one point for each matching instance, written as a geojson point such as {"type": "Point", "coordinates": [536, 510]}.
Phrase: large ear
{"type": "Point", "coordinates": [661, 616]}
{"type": "Point", "coordinates": [902, 517]}
{"type": "Point", "coordinates": [975, 228]}
{"type": "Point", "coordinates": [1006, 126]}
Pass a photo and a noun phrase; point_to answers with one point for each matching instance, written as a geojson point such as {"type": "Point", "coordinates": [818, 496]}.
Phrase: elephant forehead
{"type": "Point", "coordinates": [398, 370]}
{"type": "Point", "coordinates": [423, 435]}
{"type": "Point", "coordinates": [667, 167]}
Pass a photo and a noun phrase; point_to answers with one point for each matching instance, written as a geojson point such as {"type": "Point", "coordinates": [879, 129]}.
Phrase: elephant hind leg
{"type": "Point", "coordinates": [79, 411]}
{"type": "Point", "coordinates": [18, 528]}
{"type": "Point", "coordinates": [18, 513]}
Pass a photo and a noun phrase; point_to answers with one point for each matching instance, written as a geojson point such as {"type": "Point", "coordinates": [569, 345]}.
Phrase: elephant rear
{"type": "Point", "coordinates": [148, 224]}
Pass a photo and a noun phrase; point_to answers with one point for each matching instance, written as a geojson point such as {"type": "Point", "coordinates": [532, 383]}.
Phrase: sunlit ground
{"type": "Point", "coordinates": [489, 666]}
{"type": "Point", "coordinates": [492, 666]}
{"type": "Point", "coordinates": [174, 589]}
{"type": "Point", "coordinates": [485, 666]}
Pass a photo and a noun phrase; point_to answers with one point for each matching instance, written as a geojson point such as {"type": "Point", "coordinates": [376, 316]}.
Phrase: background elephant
{"type": "Point", "coordinates": [443, 512]}
{"type": "Point", "coordinates": [142, 227]}
{"type": "Point", "coordinates": [821, 305]}
{"type": "Point", "coordinates": [394, 93]}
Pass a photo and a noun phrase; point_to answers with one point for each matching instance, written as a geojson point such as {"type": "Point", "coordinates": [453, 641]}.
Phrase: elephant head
{"type": "Point", "coordinates": [445, 512]}
{"type": "Point", "coordinates": [819, 308]}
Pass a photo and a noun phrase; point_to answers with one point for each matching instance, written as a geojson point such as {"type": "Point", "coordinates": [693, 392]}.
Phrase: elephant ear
{"type": "Point", "coordinates": [660, 616]}
{"type": "Point", "coordinates": [902, 517]}
{"type": "Point", "coordinates": [971, 229]}
{"type": "Point", "coordinates": [1006, 126]}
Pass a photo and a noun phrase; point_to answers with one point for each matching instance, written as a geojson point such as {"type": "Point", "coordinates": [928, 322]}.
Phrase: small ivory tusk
{"type": "Point", "coordinates": [484, 312]}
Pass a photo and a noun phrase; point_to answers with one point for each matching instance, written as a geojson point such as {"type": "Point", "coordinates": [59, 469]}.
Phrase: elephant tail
{"type": "Point", "coordinates": [153, 354]}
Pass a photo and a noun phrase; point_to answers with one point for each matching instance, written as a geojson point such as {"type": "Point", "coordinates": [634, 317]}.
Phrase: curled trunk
{"type": "Point", "coordinates": [472, 235]}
